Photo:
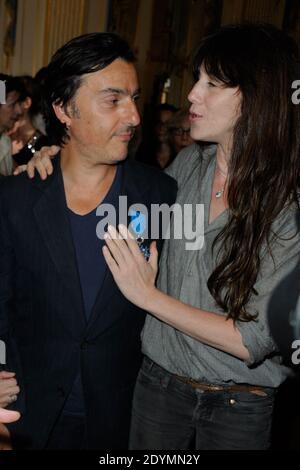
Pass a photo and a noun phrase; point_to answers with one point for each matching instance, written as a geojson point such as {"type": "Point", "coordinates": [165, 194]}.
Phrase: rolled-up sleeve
{"type": "Point", "coordinates": [285, 256]}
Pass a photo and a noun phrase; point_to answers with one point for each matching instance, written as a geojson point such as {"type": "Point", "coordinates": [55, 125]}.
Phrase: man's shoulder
{"type": "Point", "coordinates": [153, 177]}
{"type": "Point", "coordinates": [149, 183]}
{"type": "Point", "coordinates": [15, 191]}
{"type": "Point", "coordinates": [12, 183]}
{"type": "Point", "coordinates": [18, 183]}
{"type": "Point", "coordinates": [19, 190]}
{"type": "Point", "coordinates": [150, 174]}
{"type": "Point", "coordinates": [22, 183]}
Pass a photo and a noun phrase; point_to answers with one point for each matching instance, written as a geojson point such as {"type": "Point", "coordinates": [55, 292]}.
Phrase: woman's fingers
{"type": "Point", "coordinates": [8, 416]}
{"type": "Point", "coordinates": [47, 153]}
{"type": "Point", "coordinates": [8, 386]}
{"type": "Point", "coordinates": [153, 260]}
{"type": "Point", "coordinates": [130, 241]}
{"type": "Point", "coordinates": [111, 262]}
{"type": "Point", "coordinates": [116, 245]}
{"type": "Point", "coordinates": [9, 391]}
{"type": "Point", "coordinates": [4, 374]}
{"type": "Point", "coordinates": [7, 382]}
{"type": "Point", "coordinates": [20, 169]}
{"type": "Point", "coordinates": [14, 390]}
{"type": "Point", "coordinates": [36, 163]}
{"type": "Point", "coordinates": [40, 162]}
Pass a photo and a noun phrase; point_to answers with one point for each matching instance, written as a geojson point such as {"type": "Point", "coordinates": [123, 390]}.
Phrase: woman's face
{"type": "Point", "coordinates": [214, 111]}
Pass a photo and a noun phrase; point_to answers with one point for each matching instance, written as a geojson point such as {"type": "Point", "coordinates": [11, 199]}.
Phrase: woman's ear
{"type": "Point", "coordinates": [60, 113]}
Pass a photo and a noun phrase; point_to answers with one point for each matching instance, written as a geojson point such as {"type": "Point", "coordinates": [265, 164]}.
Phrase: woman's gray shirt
{"type": "Point", "coordinates": [183, 274]}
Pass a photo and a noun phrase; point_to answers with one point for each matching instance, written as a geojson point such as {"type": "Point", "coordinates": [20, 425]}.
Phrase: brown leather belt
{"type": "Point", "coordinates": [255, 389]}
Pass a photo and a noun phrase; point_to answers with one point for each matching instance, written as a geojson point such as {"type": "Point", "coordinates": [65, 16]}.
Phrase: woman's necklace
{"type": "Point", "coordinates": [219, 193]}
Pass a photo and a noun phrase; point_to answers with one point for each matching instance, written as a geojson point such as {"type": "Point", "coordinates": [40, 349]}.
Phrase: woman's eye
{"type": "Point", "coordinates": [211, 84]}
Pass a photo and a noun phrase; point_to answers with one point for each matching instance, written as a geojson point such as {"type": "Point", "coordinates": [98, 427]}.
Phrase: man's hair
{"type": "Point", "coordinates": [13, 84]}
{"type": "Point", "coordinates": [33, 91]}
{"type": "Point", "coordinates": [63, 77]}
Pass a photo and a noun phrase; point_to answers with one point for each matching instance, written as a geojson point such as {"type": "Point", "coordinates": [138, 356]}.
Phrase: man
{"type": "Point", "coordinates": [72, 338]}
{"type": "Point", "coordinates": [10, 111]}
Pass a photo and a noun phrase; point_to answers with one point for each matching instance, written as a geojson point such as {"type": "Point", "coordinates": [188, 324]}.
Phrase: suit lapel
{"type": "Point", "coordinates": [51, 216]}
{"type": "Point", "coordinates": [109, 302]}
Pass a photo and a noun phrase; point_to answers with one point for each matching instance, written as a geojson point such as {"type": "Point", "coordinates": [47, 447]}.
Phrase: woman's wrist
{"type": "Point", "coordinates": [150, 299]}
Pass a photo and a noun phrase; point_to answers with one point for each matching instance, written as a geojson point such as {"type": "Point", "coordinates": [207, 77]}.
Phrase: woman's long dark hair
{"type": "Point", "coordinates": [264, 169]}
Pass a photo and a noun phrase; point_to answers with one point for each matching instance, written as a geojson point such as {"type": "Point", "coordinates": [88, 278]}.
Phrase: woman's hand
{"type": "Point", "coordinates": [41, 162]}
{"type": "Point", "coordinates": [8, 416]}
{"type": "Point", "coordinates": [9, 388]}
{"type": "Point", "coordinates": [16, 146]}
{"type": "Point", "coordinates": [134, 275]}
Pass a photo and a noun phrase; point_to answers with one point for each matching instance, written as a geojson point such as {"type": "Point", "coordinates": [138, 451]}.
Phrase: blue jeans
{"type": "Point", "coordinates": [171, 415]}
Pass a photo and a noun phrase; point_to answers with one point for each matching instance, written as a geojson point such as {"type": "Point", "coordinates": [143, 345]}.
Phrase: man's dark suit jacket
{"type": "Point", "coordinates": [42, 317]}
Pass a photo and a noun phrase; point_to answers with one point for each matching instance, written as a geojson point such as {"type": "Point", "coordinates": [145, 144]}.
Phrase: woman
{"type": "Point", "coordinates": [211, 368]}
{"type": "Point", "coordinates": [26, 137]}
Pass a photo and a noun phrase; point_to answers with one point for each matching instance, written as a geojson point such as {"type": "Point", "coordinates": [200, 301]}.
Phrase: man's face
{"type": "Point", "coordinates": [10, 111]}
{"type": "Point", "coordinates": [103, 114]}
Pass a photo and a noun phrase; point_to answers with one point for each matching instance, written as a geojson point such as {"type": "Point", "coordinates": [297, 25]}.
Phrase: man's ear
{"type": "Point", "coordinates": [60, 113]}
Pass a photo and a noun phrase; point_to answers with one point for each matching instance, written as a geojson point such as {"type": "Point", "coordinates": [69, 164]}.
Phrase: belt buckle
{"type": "Point", "coordinates": [216, 388]}
{"type": "Point", "coordinates": [207, 387]}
